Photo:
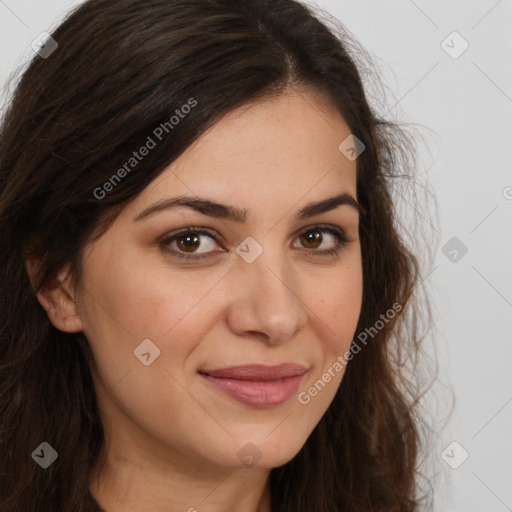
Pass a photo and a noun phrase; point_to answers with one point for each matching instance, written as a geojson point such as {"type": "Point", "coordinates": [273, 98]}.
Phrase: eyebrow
{"type": "Point", "coordinates": [222, 211]}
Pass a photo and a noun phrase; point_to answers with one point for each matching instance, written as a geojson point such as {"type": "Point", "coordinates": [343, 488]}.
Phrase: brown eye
{"type": "Point", "coordinates": [196, 244]}
{"type": "Point", "coordinates": [187, 242]}
{"type": "Point", "coordinates": [311, 239]}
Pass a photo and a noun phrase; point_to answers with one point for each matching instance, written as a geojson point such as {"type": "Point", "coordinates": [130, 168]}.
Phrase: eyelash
{"type": "Point", "coordinates": [341, 240]}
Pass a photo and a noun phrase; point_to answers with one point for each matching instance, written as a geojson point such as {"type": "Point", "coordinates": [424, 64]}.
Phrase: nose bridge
{"type": "Point", "coordinates": [269, 299]}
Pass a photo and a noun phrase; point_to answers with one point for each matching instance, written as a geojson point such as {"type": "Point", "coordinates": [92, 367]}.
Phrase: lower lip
{"type": "Point", "coordinates": [257, 394]}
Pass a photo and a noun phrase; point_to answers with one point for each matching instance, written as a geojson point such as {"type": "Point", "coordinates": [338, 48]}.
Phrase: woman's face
{"type": "Point", "coordinates": [265, 291]}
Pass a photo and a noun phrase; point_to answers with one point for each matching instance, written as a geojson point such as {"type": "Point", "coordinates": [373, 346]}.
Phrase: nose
{"type": "Point", "coordinates": [267, 302]}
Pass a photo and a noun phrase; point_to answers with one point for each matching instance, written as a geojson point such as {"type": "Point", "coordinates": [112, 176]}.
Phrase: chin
{"type": "Point", "coordinates": [264, 453]}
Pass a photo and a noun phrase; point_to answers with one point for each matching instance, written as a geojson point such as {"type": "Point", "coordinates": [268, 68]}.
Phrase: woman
{"type": "Point", "coordinates": [204, 293]}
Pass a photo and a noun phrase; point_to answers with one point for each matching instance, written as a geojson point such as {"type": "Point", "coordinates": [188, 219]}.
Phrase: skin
{"type": "Point", "coordinates": [171, 439]}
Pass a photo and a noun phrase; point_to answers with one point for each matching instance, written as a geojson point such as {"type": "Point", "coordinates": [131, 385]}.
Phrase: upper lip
{"type": "Point", "coordinates": [254, 372]}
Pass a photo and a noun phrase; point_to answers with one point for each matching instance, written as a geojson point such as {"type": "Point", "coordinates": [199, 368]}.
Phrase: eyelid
{"type": "Point", "coordinates": [327, 227]}
{"type": "Point", "coordinates": [215, 235]}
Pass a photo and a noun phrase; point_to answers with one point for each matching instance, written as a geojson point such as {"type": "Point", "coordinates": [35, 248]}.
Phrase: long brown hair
{"type": "Point", "coordinates": [121, 69]}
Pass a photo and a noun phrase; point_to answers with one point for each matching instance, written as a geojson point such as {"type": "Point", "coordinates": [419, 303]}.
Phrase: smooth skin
{"type": "Point", "coordinates": [172, 440]}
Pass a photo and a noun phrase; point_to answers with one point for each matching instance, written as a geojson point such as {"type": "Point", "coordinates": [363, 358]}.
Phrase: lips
{"type": "Point", "coordinates": [257, 385]}
{"type": "Point", "coordinates": [255, 372]}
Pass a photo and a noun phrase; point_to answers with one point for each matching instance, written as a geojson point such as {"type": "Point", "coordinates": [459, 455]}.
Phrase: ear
{"type": "Point", "coordinates": [57, 297]}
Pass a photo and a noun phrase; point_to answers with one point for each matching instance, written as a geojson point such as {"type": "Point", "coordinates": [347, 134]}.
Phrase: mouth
{"type": "Point", "coordinates": [257, 385]}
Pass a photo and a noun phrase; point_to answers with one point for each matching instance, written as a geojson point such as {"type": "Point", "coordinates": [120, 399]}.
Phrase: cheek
{"type": "Point", "coordinates": [337, 305]}
{"type": "Point", "coordinates": [335, 313]}
{"type": "Point", "coordinates": [133, 302]}
{"type": "Point", "coordinates": [142, 302]}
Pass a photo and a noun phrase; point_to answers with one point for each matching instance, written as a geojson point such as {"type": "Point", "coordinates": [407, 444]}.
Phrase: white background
{"type": "Point", "coordinates": [465, 105]}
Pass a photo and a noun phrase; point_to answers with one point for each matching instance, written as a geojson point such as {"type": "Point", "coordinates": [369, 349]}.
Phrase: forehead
{"type": "Point", "coordinates": [285, 145]}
